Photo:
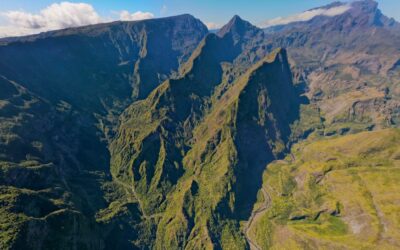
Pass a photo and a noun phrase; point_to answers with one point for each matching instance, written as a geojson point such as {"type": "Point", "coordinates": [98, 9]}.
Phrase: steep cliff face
{"type": "Point", "coordinates": [195, 159]}
{"type": "Point", "coordinates": [101, 65]}
{"type": "Point", "coordinates": [62, 93]}
{"type": "Point", "coordinates": [155, 133]}
{"type": "Point", "coordinates": [243, 132]}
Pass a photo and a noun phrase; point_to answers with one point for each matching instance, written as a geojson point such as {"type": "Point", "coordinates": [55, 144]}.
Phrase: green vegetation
{"type": "Point", "coordinates": [335, 193]}
{"type": "Point", "coordinates": [61, 94]}
{"type": "Point", "coordinates": [187, 148]}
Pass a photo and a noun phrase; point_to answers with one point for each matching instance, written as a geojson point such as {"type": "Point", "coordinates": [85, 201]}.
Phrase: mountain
{"type": "Point", "coordinates": [239, 29]}
{"type": "Point", "coordinates": [348, 66]}
{"type": "Point", "coordinates": [119, 51]}
{"type": "Point", "coordinates": [349, 62]}
{"type": "Point", "coordinates": [157, 134]}
{"type": "Point", "coordinates": [63, 93]}
{"type": "Point", "coordinates": [171, 144]}
{"type": "Point", "coordinates": [346, 33]}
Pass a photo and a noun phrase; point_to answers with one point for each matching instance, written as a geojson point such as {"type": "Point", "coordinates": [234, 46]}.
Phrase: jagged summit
{"type": "Point", "coordinates": [367, 3]}
{"type": "Point", "coordinates": [238, 28]}
{"type": "Point", "coordinates": [363, 14]}
{"type": "Point", "coordinates": [354, 16]}
{"type": "Point", "coordinates": [370, 9]}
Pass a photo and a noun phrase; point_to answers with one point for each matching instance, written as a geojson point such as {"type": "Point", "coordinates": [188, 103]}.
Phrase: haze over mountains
{"type": "Point", "coordinates": [158, 134]}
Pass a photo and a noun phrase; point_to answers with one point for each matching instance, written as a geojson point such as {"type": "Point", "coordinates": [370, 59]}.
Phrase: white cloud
{"type": "Point", "coordinates": [55, 16]}
{"type": "Point", "coordinates": [212, 26]}
{"type": "Point", "coordinates": [138, 15]}
{"type": "Point", "coordinates": [307, 15]}
{"type": "Point", "coordinates": [59, 16]}
{"type": "Point", "coordinates": [25, 20]}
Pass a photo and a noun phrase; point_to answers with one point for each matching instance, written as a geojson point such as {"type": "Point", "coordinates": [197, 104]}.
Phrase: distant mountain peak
{"type": "Point", "coordinates": [367, 13]}
{"type": "Point", "coordinates": [372, 3]}
{"type": "Point", "coordinates": [237, 27]}
{"type": "Point", "coordinates": [366, 5]}
{"type": "Point", "coordinates": [355, 15]}
{"type": "Point", "coordinates": [236, 19]}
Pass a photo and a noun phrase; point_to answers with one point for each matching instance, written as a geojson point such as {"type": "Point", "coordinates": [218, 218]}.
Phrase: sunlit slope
{"type": "Point", "coordinates": [339, 193]}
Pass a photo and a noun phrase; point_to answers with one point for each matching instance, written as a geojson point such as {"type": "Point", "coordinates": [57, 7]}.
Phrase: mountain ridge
{"type": "Point", "coordinates": [86, 28]}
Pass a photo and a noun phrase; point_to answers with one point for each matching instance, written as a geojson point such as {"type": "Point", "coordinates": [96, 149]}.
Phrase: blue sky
{"type": "Point", "coordinates": [217, 12]}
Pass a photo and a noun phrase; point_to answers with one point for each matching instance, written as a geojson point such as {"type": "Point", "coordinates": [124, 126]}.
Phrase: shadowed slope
{"type": "Point", "coordinates": [61, 92]}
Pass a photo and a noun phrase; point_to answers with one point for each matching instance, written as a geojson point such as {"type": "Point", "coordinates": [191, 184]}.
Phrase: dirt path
{"type": "Point", "coordinates": [255, 216]}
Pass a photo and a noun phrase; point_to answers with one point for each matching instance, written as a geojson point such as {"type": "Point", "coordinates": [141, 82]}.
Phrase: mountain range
{"type": "Point", "coordinates": [158, 134]}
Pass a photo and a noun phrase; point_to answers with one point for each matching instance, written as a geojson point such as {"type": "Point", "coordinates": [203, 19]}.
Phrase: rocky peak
{"type": "Point", "coordinates": [362, 14]}
{"type": "Point", "coordinates": [367, 5]}
{"type": "Point", "coordinates": [366, 13]}
{"type": "Point", "coordinates": [238, 28]}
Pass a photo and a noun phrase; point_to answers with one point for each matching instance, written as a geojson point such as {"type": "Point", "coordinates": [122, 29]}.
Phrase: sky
{"type": "Point", "coordinates": [19, 17]}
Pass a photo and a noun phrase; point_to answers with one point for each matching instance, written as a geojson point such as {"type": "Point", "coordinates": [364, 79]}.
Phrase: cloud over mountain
{"type": "Point", "coordinates": [138, 15]}
{"type": "Point", "coordinates": [307, 15]}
